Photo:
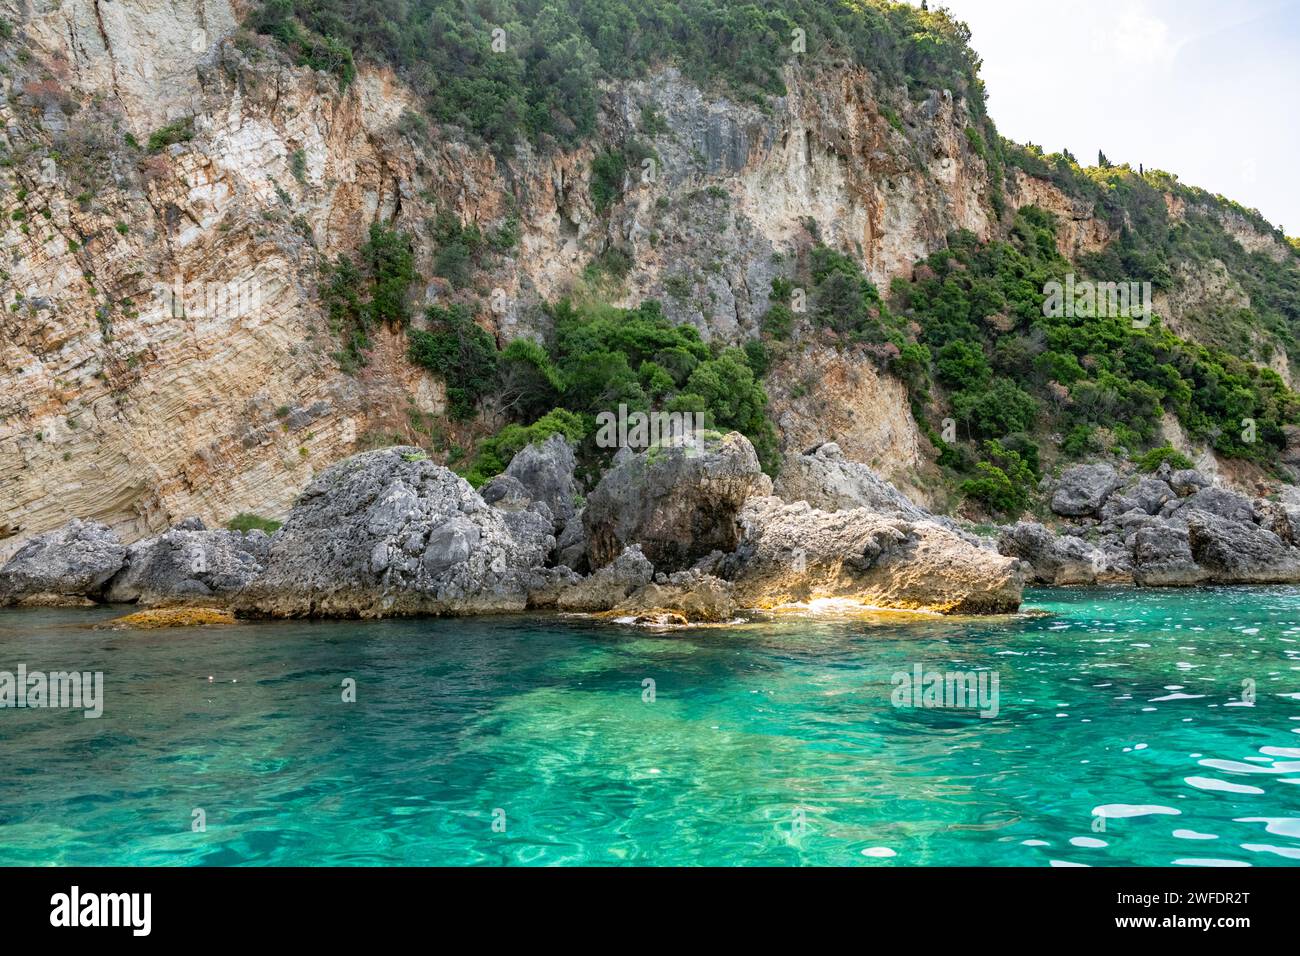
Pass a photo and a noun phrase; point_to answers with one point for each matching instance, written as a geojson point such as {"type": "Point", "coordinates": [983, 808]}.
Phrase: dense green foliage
{"type": "Point", "coordinates": [1002, 482]}
{"type": "Point", "coordinates": [462, 352]}
{"type": "Point", "coordinates": [540, 75]}
{"type": "Point", "coordinates": [359, 296]}
{"type": "Point", "coordinates": [1153, 245]}
{"type": "Point", "coordinates": [600, 357]}
{"type": "Point", "coordinates": [1103, 382]}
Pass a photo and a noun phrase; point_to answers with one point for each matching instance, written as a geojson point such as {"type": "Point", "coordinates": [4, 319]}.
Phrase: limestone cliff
{"type": "Point", "coordinates": [171, 185]}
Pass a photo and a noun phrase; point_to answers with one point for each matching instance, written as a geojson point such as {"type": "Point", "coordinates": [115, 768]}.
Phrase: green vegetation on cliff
{"type": "Point", "coordinates": [502, 69]}
{"type": "Point", "coordinates": [1103, 382]}
{"type": "Point", "coordinates": [1154, 244]}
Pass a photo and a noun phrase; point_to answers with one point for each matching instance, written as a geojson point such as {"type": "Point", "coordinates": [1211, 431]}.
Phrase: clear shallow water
{"type": "Point", "coordinates": [774, 743]}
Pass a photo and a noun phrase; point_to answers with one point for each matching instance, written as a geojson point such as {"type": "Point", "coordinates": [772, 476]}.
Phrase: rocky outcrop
{"type": "Point", "coordinates": [1173, 529]}
{"type": "Point", "coordinates": [1162, 557]}
{"type": "Point", "coordinates": [609, 586]}
{"type": "Point", "coordinates": [678, 501]}
{"type": "Point", "coordinates": [684, 597]}
{"type": "Point", "coordinates": [71, 565]}
{"type": "Point", "coordinates": [1238, 552]}
{"type": "Point", "coordinates": [1052, 559]}
{"type": "Point", "coordinates": [793, 553]}
{"type": "Point", "coordinates": [387, 533]}
{"type": "Point", "coordinates": [189, 566]}
{"type": "Point", "coordinates": [545, 471]}
{"type": "Point", "coordinates": [830, 482]}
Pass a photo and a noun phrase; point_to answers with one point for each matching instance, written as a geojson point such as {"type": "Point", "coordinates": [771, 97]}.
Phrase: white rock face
{"type": "Point", "coordinates": [143, 53]}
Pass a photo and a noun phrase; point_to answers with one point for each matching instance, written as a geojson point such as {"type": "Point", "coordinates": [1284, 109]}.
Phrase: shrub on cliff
{"type": "Point", "coordinates": [461, 352]}
{"type": "Point", "coordinates": [370, 292]}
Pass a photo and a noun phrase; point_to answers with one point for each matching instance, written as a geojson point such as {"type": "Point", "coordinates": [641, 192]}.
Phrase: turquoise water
{"type": "Point", "coordinates": [771, 743]}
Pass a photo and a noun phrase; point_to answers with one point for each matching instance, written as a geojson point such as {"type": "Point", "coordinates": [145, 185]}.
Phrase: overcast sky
{"type": "Point", "coordinates": [1208, 90]}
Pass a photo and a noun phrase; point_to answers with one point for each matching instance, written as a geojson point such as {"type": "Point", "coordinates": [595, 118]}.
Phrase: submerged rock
{"type": "Point", "coordinates": [170, 617]}
{"type": "Point", "coordinates": [792, 553]}
{"type": "Point", "coordinates": [389, 532]}
{"type": "Point", "coordinates": [678, 501]}
{"type": "Point", "coordinates": [70, 565]}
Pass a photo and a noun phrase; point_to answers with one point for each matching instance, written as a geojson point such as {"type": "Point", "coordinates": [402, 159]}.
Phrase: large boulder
{"type": "Point", "coordinates": [1083, 489]}
{"type": "Point", "coordinates": [189, 567]}
{"type": "Point", "coordinates": [1151, 494]}
{"type": "Point", "coordinates": [1162, 557]}
{"type": "Point", "coordinates": [70, 565]}
{"type": "Point", "coordinates": [571, 545]}
{"type": "Point", "coordinates": [610, 586]}
{"type": "Point", "coordinates": [683, 597]}
{"type": "Point", "coordinates": [546, 471]}
{"type": "Point", "coordinates": [386, 533]}
{"type": "Point", "coordinates": [1188, 481]}
{"type": "Point", "coordinates": [679, 500]}
{"type": "Point", "coordinates": [1053, 559]}
{"type": "Point", "coordinates": [1222, 502]}
{"type": "Point", "coordinates": [1234, 552]}
{"type": "Point", "coordinates": [795, 553]}
{"type": "Point", "coordinates": [829, 482]}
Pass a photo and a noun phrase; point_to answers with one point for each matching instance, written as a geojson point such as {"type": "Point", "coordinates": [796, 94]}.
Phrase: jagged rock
{"type": "Point", "coordinates": [69, 565]}
{"type": "Point", "coordinates": [545, 471]}
{"type": "Point", "coordinates": [792, 553]}
{"type": "Point", "coordinates": [1224, 503]}
{"type": "Point", "coordinates": [1280, 518]}
{"type": "Point", "coordinates": [505, 492]}
{"type": "Point", "coordinates": [682, 597]}
{"type": "Point", "coordinates": [829, 482]}
{"type": "Point", "coordinates": [1151, 494]}
{"type": "Point", "coordinates": [1187, 481]}
{"type": "Point", "coordinates": [533, 529]}
{"type": "Point", "coordinates": [610, 585]}
{"type": "Point", "coordinates": [1171, 508]}
{"type": "Point", "coordinates": [1116, 506]}
{"type": "Point", "coordinates": [191, 567]}
{"type": "Point", "coordinates": [192, 523]}
{"type": "Point", "coordinates": [1083, 489]}
{"type": "Point", "coordinates": [389, 532]}
{"type": "Point", "coordinates": [1234, 552]}
{"type": "Point", "coordinates": [1054, 559]}
{"type": "Point", "coordinates": [571, 546]}
{"type": "Point", "coordinates": [546, 585]}
{"type": "Point", "coordinates": [1162, 557]}
{"type": "Point", "coordinates": [679, 501]}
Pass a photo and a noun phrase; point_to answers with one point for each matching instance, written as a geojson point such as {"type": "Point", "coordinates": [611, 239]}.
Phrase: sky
{"type": "Point", "coordinates": [1207, 90]}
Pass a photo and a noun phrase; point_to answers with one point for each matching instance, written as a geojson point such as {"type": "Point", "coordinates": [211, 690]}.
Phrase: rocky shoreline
{"type": "Point", "coordinates": [685, 532]}
{"type": "Point", "coordinates": [1172, 528]}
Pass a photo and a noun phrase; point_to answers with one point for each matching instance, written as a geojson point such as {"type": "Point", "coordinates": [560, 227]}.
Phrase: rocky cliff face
{"type": "Point", "coordinates": [163, 348]}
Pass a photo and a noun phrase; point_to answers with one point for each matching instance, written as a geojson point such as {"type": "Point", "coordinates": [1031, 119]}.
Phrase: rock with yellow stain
{"type": "Point", "coordinates": [793, 553]}
{"type": "Point", "coordinates": [171, 617]}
